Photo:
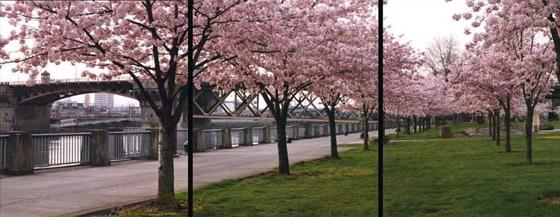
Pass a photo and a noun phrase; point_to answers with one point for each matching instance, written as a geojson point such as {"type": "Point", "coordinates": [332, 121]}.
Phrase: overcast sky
{"type": "Point", "coordinates": [418, 21]}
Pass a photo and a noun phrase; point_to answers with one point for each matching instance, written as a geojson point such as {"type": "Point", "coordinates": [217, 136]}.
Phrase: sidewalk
{"type": "Point", "coordinates": [71, 191]}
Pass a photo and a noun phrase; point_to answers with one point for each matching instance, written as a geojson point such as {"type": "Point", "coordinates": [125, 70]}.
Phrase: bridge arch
{"type": "Point", "coordinates": [51, 97]}
{"type": "Point", "coordinates": [45, 94]}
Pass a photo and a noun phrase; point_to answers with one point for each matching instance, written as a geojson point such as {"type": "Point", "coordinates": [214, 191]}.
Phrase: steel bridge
{"type": "Point", "coordinates": [27, 107]}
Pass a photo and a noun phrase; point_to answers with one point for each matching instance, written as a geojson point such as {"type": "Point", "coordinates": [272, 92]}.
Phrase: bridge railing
{"type": "Point", "coordinates": [66, 80]}
{"type": "Point", "coordinates": [182, 138]}
{"type": "Point", "coordinates": [68, 149]}
{"type": "Point", "coordinates": [258, 135]}
{"type": "Point", "coordinates": [3, 145]}
{"type": "Point", "coordinates": [129, 145]}
{"type": "Point", "coordinates": [53, 149]}
{"type": "Point", "coordinates": [212, 139]}
{"type": "Point", "coordinates": [237, 136]}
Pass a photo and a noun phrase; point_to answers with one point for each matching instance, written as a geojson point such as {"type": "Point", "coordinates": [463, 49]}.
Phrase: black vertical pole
{"type": "Point", "coordinates": [190, 97]}
{"type": "Point", "coordinates": [381, 131]}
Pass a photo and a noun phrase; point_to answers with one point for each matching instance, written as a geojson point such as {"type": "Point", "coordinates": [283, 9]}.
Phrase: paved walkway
{"type": "Point", "coordinates": [76, 190]}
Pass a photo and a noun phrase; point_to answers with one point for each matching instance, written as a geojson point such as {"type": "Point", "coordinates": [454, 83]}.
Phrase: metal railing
{"type": "Point", "coordinates": [290, 132]}
{"type": "Point", "coordinates": [237, 136]}
{"type": "Point", "coordinates": [273, 134]}
{"type": "Point", "coordinates": [212, 139]}
{"type": "Point", "coordinates": [301, 131]}
{"type": "Point", "coordinates": [3, 146]}
{"type": "Point", "coordinates": [182, 139]}
{"type": "Point", "coordinates": [127, 145]}
{"type": "Point", "coordinates": [258, 135]}
{"type": "Point", "coordinates": [321, 130]}
{"type": "Point", "coordinates": [60, 148]}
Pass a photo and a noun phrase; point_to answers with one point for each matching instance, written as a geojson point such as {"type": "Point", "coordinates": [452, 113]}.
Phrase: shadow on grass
{"type": "Point", "coordinates": [538, 163]}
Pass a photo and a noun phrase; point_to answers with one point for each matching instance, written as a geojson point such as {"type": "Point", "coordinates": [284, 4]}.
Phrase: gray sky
{"type": "Point", "coordinates": [418, 21]}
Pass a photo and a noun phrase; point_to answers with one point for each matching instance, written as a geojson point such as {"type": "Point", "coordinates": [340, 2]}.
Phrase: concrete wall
{"type": "Point", "coordinates": [6, 119]}
{"type": "Point", "coordinates": [34, 118]}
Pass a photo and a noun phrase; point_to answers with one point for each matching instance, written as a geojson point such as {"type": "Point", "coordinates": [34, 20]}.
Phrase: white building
{"type": "Point", "coordinates": [104, 100]}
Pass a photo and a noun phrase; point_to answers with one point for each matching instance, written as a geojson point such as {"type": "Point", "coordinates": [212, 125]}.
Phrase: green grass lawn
{"type": "Point", "coordinates": [437, 178]}
{"type": "Point", "coordinates": [433, 133]}
{"type": "Point", "coordinates": [346, 187]}
{"type": "Point", "coordinates": [471, 177]}
{"type": "Point", "coordinates": [555, 124]}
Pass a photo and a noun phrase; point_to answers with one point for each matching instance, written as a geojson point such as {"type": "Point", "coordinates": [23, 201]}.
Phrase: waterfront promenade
{"type": "Point", "coordinates": [78, 190]}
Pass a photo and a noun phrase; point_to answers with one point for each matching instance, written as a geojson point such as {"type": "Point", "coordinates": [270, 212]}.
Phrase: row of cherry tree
{"type": "Point", "coordinates": [511, 63]}
{"type": "Point", "coordinates": [275, 48]}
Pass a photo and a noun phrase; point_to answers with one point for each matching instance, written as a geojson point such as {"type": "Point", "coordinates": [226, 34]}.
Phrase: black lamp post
{"type": "Point", "coordinates": [190, 99]}
{"type": "Point", "coordinates": [381, 118]}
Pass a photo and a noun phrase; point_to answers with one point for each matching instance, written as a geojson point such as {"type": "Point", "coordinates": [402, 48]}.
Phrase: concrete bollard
{"type": "Point", "coordinates": [248, 133]}
{"type": "Point", "coordinates": [154, 143]}
{"type": "Point", "coordinates": [226, 139]}
{"type": "Point", "coordinates": [266, 135]}
{"type": "Point", "coordinates": [19, 153]}
{"type": "Point", "coordinates": [99, 154]}
{"type": "Point", "coordinates": [198, 140]}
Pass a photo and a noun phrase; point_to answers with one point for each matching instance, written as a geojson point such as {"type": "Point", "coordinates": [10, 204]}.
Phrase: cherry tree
{"type": "Point", "coordinates": [519, 30]}
{"type": "Point", "coordinates": [281, 55]}
{"type": "Point", "coordinates": [488, 74]}
{"type": "Point", "coordinates": [144, 40]}
{"type": "Point", "coordinates": [537, 15]}
{"type": "Point", "coordinates": [351, 62]}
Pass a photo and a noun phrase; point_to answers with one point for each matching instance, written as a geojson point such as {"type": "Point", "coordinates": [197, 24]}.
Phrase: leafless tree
{"type": "Point", "coordinates": [441, 54]}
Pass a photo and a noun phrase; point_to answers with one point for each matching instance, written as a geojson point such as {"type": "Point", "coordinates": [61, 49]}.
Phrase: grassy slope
{"type": "Point", "coordinates": [454, 177]}
{"type": "Point", "coordinates": [318, 188]}
{"type": "Point", "coordinates": [471, 177]}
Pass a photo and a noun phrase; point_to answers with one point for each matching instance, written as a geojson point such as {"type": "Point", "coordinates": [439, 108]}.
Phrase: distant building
{"type": "Point", "coordinates": [103, 100]}
{"type": "Point", "coordinates": [68, 105]}
{"type": "Point", "coordinates": [87, 101]}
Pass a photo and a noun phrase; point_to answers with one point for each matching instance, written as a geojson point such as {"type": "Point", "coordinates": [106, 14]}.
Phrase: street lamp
{"type": "Point", "coordinates": [190, 108]}
{"type": "Point", "coordinates": [381, 118]}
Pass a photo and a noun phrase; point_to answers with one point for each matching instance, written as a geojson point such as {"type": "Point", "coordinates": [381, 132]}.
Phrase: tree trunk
{"type": "Point", "coordinates": [166, 177]}
{"type": "Point", "coordinates": [398, 127]}
{"type": "Point", "coordinates": [497, 127]}
{"type": "Point", "coordinates": [508, 124]}
{"type": "Point", "coordinates": [490, 127]}
{"type": "Point", "coordinates": [529, 135]}
{"type": "Point", "coordinates": [332, 129]}
{"type": "Point", "coordinates": [455, 117]}
{"type": "Point", "coordinates": [415, 125]}
{"type": "Point", "coordinates": [283, 162]}
{"type": "Point", "coordinates": [494, 125]}
{"type": "Point", "coordinates": [365, 129]}
{"type": "Point", "coordinates": [408, 125]}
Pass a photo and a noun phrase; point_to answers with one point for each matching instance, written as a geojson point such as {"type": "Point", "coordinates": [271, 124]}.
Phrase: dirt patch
{"type": "Point", "coordinates": [152, 208]}
{"type": "Point", "coordinates": [548, 137]}
{"type": "Point", "coordinates": [553, 200]}
{"type": "Point", "coordinates": [461, 135]}
{"type": "Point", "coordinates": [551, 197]}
